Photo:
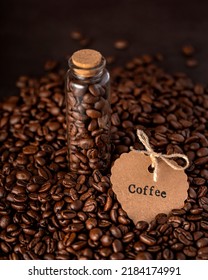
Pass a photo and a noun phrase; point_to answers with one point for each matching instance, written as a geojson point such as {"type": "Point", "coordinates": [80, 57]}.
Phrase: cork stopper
{"type": "Point", "coordinates": [86, 61]}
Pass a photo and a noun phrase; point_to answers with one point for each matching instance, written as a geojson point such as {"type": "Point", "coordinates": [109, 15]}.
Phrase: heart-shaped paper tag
{"type": "Point", "coordinates": [139, 195]}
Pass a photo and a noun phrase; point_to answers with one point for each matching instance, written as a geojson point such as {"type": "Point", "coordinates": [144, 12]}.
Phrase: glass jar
{"type": "Point", "coordinates": [88, 112]}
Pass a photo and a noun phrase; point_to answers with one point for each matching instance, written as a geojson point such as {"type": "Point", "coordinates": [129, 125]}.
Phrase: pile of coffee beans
{"type": "Point", "coordinates": [88, 129]}
{"type": "Point", "coordinates": [48, 213]}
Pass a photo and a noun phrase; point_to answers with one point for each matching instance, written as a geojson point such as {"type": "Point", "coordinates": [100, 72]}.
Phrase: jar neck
{"type": "Point", "coordinates": [87, 74]}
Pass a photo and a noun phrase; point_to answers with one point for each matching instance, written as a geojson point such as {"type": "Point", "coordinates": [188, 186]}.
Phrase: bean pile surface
{"type": "Point", "coordinates": [48, 213]}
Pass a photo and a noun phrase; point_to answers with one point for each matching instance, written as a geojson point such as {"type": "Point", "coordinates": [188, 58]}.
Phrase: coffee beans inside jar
{"type": "Point", "coordinates": [48, 213]}
{"type": "Point", "coordinates": [88, 112]}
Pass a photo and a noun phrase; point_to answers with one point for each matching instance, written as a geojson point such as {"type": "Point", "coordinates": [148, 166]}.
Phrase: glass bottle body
{"type": "Point", "coordinates": [88, 121]}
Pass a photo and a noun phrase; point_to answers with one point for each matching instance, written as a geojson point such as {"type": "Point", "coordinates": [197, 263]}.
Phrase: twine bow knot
{"type": "Point", "coordinates": [154, 156]}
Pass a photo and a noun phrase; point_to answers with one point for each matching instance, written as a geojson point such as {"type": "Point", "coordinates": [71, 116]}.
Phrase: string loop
{"type": "Point", "coordinates": [154, 156]}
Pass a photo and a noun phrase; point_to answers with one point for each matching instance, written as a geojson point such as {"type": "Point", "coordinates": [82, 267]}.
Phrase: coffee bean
{"type": "Point", "coordinates": [168, 254]}
{"type": "Point", "coordinates": [95, 234]}
{"type": "Point", "coordinates": [76, 35]}
{"type": "Point", "coordinates": [182, 238]}
{"type": "Point", "coordinates": [202, 152]}
{"type": "Point", "coordinates": [121, 44]}
{"type": "Point", "coordinates": [190, 251]}
{"type": "Point", "coordinates": [115, 231]}
{"type": "Point", "coordinates": [202, 242]}
{"type": "Point", "coordinates": [4, 221]}
{"type": "Point", "coordinates": [180, 256]}
{"type": "Point", "coordinates": [76, 227]}
{"type": "Point", "coordinates": [76, 205]}
{"type": "Point", "coordinates": [203, 202]}
{"type": "Point", "coordinates": [106, 240]}
{"type": "Point", "coordinates": [105, 252]}
{"type": "Point", "coordinates": [117, 246]}
{"type": "Point", "coordinates": [117, 256]}
{"type": "Point", "coordinates": [23, 175]}
{"type": "Point", "coordinates": [147, 239]}
{"type": "Point", "coordinates": [39, 180]}
{"type": "Point", "coordinates": [90, 206]}
{"type": "Point", "coordinates": [188, 50]}
{"type": "Point", "coordinates": [142, 225]}
{"type": "Point", "coordinates": [79, 245]}
{"type": "Point", "coordinates": [30, 150]}
{"type": "Point", "coordinates": [53, 126]}
{"type": "Point", "coordinates": [33, 187]}
{"type": "Point", "coordinates": [177, 246]}
{"type": "Point", "coordinates": [50, 65]}
{"type": "Point", "coordinates": [202, 251]}
{"type": "Point", "coordinates": [101, 187]}
{"type": "Point", "coordinates": [144, 256]}
{"type": "Point", "coordinates": [5, 247]}
{"type": "Point", "coordinates": [86, 144]}
{"type": "Point", "coordinates": [94, 114]}
{"type": "Point", "coordinates": [91, 223]}
{"type": "Point", "coordinates": [192, 62]}
{"type": "Point", "coordinates": [139, 246]}
{"type": "Point", "coordinates": [175, 220]}
{"type": "Point", "coordinates": [204, 225]}
{"type": "Point", "coordinates": [68, 214]}
{"type": "Point", "coordinates": [197, 235]}
{"type": "Point", "coordinates": [202, 257]}
{"type": "Point", "coordinates": [176, 137]}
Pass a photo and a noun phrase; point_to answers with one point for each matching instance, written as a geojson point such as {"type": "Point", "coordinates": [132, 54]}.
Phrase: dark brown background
{"type": "Point", "coordinates": [33, 31]}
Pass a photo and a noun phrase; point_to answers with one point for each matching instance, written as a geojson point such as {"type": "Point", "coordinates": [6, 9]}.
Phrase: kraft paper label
{"type": "Point", "coordinates": [139, 195]}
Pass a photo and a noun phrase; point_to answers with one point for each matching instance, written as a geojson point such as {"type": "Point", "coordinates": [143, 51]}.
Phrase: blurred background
{"type": "Point", "coordinates": [33, 31]}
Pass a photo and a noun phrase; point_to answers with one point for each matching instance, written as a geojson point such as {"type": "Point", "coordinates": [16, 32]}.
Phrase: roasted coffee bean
{"type": "Point", "coordinates": [190, 251]}
{"type": "Point", "coordinates": [180, 256]}
{"type": "Point", "coordinates": [76, 205]}
{"type": "Point", "coordinates": [192, 62]}
{"type": "Point", "coordinates": [168, 254]}
{"type": "Point", "coordinates": [142, 225]}
{"type": "Point", "coordinates": [202, 242]}
{"type": "Point", "coordinates": [95, 234]}
{"type": "Point", "coordinates": [177, 246]}
{"type": "Point", "coordinates": [4, 221]}
{"type": "Point", "coordinates": [68, 214]}
{"type": "Point", "coordinates": [117, 246]}
{"type": "Point", "coordinates": [188, 50]}
{"type": "Point", "coordinates": [30, 150]}
{"type": "Point", "coordinates": [202, 257]}
{"type": "Point", "coordinates": [76, 227]}
{"type": "Point", "coordinates": [105, 252]}
{"type": "Point", "coordinates": [23, 175]}
{"type": "Point", "coordinates": [203, 251]}
{"type": "Point", "coordinates": [139, 246]}
{"type": "Point", "coordinates": [144, 256]}
{"type": "Point", "coordinates": [79, 245]}
{"type": "Point", "coordinates": [115, 231]}
{"type": "Point", "coordinates": [76, 35]}
{"type": "Point", "coordinates": [106, 240]}
{"type": "Point", "coordinates": [203, 202]}
{"type": "Point", "coordinates": [147, 239]}
{"type": "Point", "coordinates": [91, 223]}
{"type": "Point", "coordinates": [204, 225]}
{"type": "Point", "coordinates": [121, 44]}
{"type": "Point", "coordinates": [182, 238]}
{"type": "Point", "coordinates": [90, 205]}
{"type": "Point", "coordinates": [117, 256]}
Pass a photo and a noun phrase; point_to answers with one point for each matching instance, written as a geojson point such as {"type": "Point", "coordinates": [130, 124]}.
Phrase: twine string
{"type": "Point", "coordinates": [154, 156]}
